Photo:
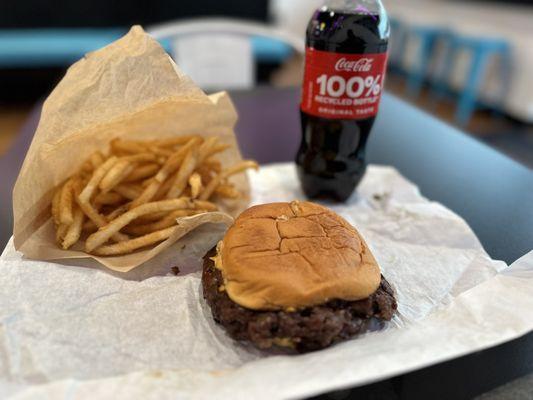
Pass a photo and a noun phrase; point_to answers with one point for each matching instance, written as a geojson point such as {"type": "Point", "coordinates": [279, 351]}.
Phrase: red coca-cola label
{"type": "Point", "coordinates": [342, 86]}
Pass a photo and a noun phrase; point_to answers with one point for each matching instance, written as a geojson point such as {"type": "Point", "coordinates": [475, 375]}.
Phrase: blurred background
{"type": "Point", "coordinates": [467, 62]}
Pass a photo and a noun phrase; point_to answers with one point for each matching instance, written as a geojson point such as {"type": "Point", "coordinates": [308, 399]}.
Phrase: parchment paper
{"type": "Point", "coordinates": [79, 333]}
{"type": "Point", "coordinates": [132, 89]}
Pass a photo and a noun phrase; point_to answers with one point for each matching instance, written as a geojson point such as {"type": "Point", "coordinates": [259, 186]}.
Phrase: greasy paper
{"type": "Point", "coordinates": [79, 333]}
{"type": "Point", "coordinates": [130, 89]}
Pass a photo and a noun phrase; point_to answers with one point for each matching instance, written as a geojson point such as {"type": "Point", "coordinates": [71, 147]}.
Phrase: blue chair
{"type": "Point", "coordinates": [59, 47]}
{"type": "Point", "coordinates": [398, 34]}
{"type": "Point", "coordinates": [428, 37]}
{"type": "Point", "coordinates": [185, 38]}
{"type": "Point", "coordinates": [482, 49]}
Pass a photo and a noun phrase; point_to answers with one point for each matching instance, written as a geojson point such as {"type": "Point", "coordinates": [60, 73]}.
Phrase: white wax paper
{"type": "Point", "coordinates": [69, 332]}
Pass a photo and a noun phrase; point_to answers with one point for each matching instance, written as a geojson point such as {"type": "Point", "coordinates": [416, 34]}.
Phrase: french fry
{"type": "Point", "coordinates": [163, 190]}
{"type": "Point", "coordinates": [87, 193]}
{"type": "Point", "coordinates": [167, 221]}
{"type": "Point", "coordinates": [115, 175]}
{"type": "Point", "coordinates": [141, 172]}
{"type": "Point", "coordinates": [160, 151]}
{"type": "Point", "coordinates": [98, 219]}
{"type": "Point", "coordinates": [74, 230]}
{"type": "Point", "coordinates": [195, 182]}
{"type": "Point", "coordinates": [108, 198]}
{"type": "Point", "coordinates": [141, 157]}
{"type": "Point", "coordinates": [55, 207]}
{"type": "Point", "coordinates": [215, 149]}
{"type": "Point", "coordinates": [179, 182]}
{"type": "Point", "coordinates": [89, 226]}
{"type": "Point", "coordinates": [120, 146]}
{"type": "Point", "coordinates": [213, 165]}
{"type": "Point", "coordinates": [61, 232]}
{"type": "Point", "coordinates": [104, 233]}
{"type": "Point", "coordinates": [206, 147]}
{"type": "Point", "coordinates": [149, 218]}
{"type": "Point", "coordinates": [205, 173]}
{"type": "Point", "coordinates": [148, 193]}
{"type": "Point", "coordinates": [134, 244]}
{"type": "Point", "coordinates": [86, 167]}
{"type": "Point", "coordinates": [116, 212]}
{"type": "Point", "coordinates": [196, 205]}
{"type": "Point", "coordinates": [204, 205]}
{"type": "Point", "coordinates": [96, 159]}
{"type": "Point", "coordinates": [128, 191]}
{"type": "Point", "coordinates": [175, 141]}
{"type": "Point", "coordinates": [240, 167]}
{"type": "Point", "coordinates": [147, 181]}
{"type": "Point", "coordinates": [66, 202]}
{"type": "Point", "coordinates": [140, 189]}
{"type": "Point", "coordinates": [227, 191]}
{"type": "Point", "coordinates": [170, 166]}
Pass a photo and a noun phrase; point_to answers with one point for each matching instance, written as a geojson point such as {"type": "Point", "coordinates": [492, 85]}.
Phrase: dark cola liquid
{"type": "Point", "coordinates": [331, 158]}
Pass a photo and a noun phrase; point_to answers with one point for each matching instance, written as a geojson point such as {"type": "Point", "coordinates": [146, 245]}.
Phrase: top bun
{"type": "Point", "coordinates": [294, 255]}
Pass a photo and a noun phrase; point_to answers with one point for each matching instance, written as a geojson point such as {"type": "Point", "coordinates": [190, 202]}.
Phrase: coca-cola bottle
{"type": "Point", "coordinates": [345, 62]}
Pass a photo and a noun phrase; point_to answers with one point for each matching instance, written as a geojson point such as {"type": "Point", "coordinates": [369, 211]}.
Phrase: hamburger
{"type": "Point", "coordinates": [295, 275]}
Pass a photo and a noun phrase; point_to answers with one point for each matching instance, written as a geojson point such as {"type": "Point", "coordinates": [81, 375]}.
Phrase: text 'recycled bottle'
{"type": "Point", "coordinates": [345, 63]}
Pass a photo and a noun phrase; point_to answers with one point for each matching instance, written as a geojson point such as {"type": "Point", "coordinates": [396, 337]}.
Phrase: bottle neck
{"type": "Point", "coordinates": [356, 6]}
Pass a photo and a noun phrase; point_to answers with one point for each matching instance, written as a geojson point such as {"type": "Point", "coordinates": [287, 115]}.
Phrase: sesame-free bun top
{"type": "Point", "coordinates": [294, 255]}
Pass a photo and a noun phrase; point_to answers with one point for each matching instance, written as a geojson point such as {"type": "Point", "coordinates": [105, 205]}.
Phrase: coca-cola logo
{"type": "Point", "coordinates": [362, 65]}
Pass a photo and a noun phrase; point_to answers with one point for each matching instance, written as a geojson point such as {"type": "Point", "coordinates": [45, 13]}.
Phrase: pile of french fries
{"type": "Point", "coordinates": [131, 198]}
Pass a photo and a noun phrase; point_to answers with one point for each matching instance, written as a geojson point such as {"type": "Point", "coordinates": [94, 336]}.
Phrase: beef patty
{"type": "Point", "coordinates": [307, 329]}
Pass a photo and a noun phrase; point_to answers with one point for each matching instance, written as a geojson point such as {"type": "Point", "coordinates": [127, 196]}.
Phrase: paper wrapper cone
{"type": "Point", "coordinates": [132, 89]}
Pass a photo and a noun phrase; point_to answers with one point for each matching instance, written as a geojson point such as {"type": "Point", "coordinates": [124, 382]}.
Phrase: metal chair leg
{"type": "Point", "coordinates": [416, 78]}
{"type": "Point", "coordinates": [468, 98]}
{"type": "Point", "coordinates": [442, 76]}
